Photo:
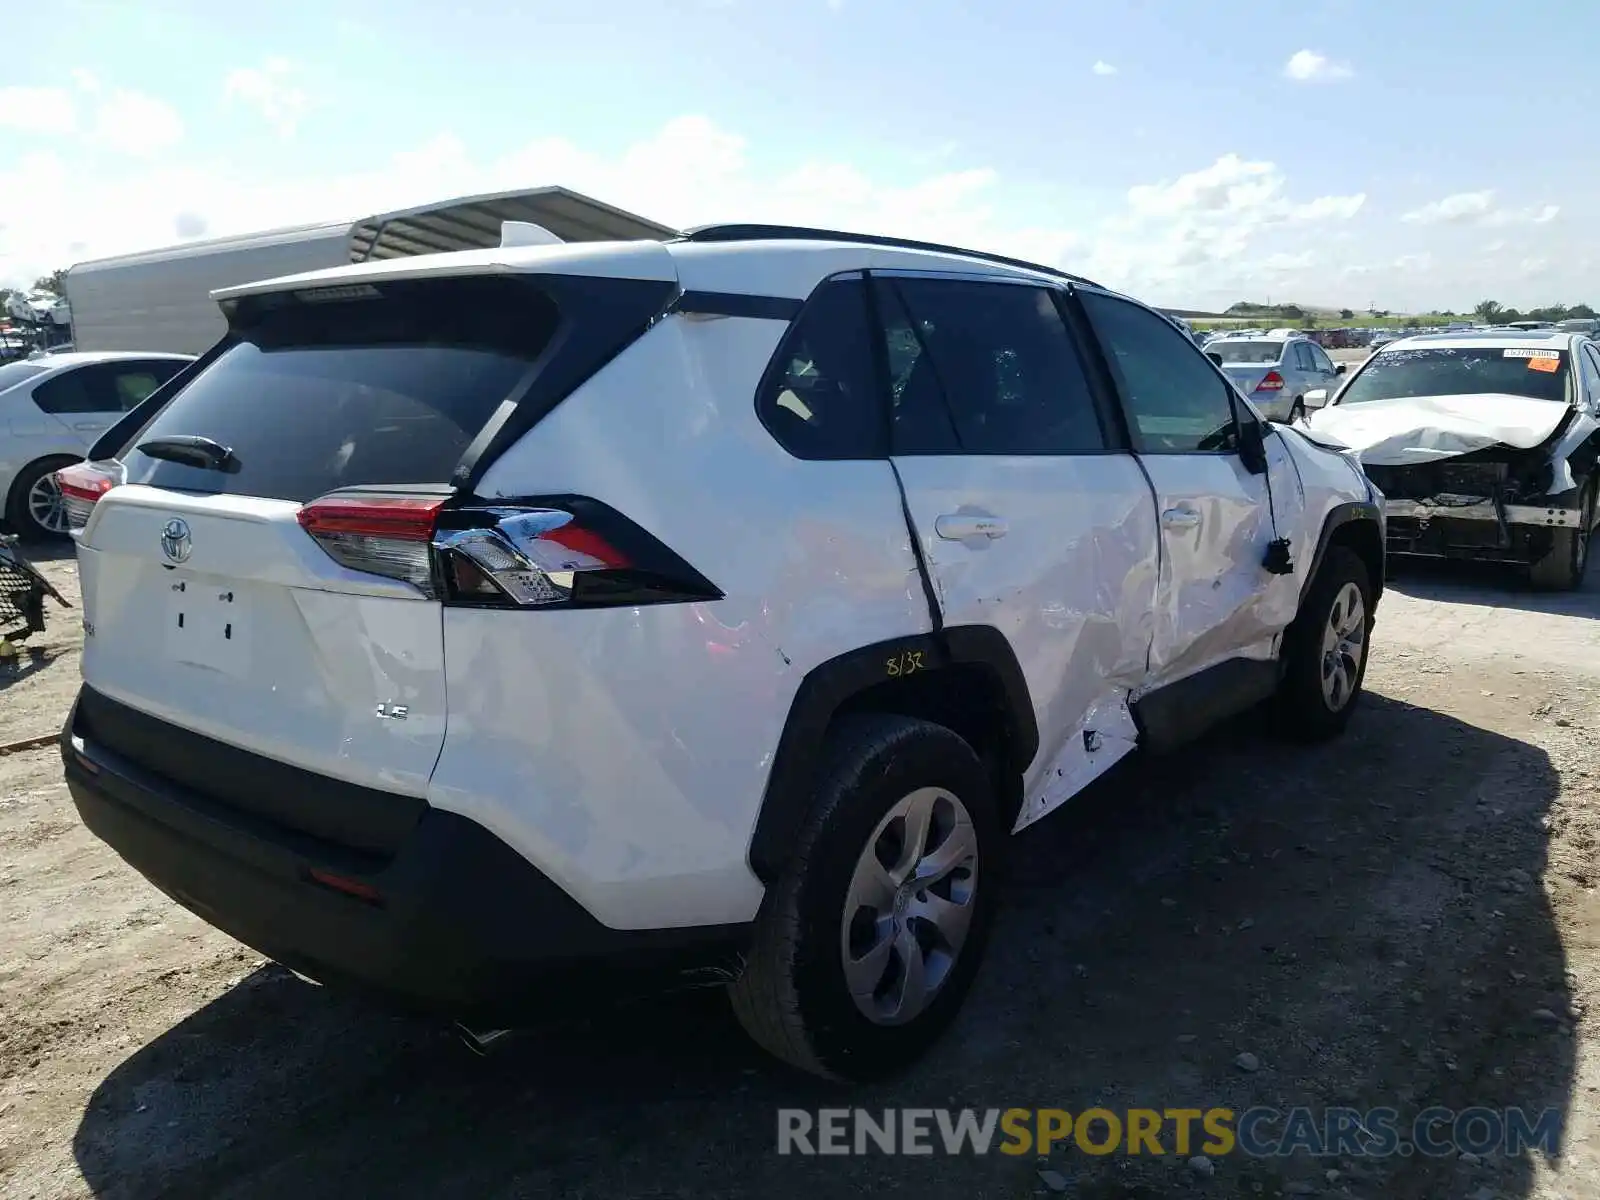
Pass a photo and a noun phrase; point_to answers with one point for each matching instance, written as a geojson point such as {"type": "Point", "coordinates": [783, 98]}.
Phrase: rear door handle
{"type": "Point", "coordinates": [958, 527]}
{"type": "Point", "coordinates": [1180, 518]}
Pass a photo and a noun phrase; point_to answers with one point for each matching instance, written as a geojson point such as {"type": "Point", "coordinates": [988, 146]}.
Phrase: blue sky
{"type": "Point", "coordinates": [1334, 152]}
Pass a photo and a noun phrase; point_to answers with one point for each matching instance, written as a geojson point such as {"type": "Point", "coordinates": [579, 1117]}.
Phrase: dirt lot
{"type": "Point", "coordinates": [1409, 916]}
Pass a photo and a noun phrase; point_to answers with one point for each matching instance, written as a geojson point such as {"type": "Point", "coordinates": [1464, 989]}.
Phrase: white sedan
{"type": "Point", "coordinates": [52, 409]}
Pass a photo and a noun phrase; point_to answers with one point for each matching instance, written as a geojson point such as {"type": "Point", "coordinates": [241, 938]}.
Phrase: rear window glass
{"type": "Point", "coordinates": [356, 390]}
{"type": "Point", "coordinates": [18, 372]}
{"type": "Point", "coordinates": [1246, 352]}
{"type": "Point", "coordinates": [1535, 372]}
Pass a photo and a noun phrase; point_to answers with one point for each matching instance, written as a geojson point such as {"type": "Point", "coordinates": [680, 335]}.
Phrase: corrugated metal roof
{"type": "Point", "coordinates": [473, 223]}
{"type": "Point", "coordinates": [464, 223]}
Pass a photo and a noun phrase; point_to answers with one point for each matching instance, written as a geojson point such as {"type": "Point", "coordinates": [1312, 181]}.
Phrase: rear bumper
{"type": "Point", "coordinates": [453, 922]}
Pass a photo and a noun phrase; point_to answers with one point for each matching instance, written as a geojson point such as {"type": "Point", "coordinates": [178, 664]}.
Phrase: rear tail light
{"type": "Point", "coordinates": [382, 535]}
{"type": "Point", "coordinates": [1272, 383]}
{"type": "Point", "coordinates": [82, 484]}
{"type": "Point", "coordinates": [568, 551]}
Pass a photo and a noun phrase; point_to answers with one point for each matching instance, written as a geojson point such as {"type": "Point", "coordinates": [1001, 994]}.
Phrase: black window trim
{"type": "Point", "coordinates": [1113, 432]}
{"type": "Point", "coordinates": [1077, 292]}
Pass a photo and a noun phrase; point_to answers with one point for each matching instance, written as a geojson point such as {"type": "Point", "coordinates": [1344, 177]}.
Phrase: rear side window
{"type": "Point", "coordinates": [11, 374]}
{"type": "Point", "coordinates": [80, 390]}
{"type": "Point", "coordinates": [368, 388]}
{"type": "Point", "coordinates": [1004, 362]}
{"type": "Point", "coordinates": [819, 398]}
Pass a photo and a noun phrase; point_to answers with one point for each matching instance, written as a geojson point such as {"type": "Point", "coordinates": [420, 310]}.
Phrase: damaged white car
{"type": "Point", "coordinates": [1484, 444]}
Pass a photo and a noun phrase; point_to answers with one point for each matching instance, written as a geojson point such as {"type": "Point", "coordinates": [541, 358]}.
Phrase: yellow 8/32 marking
{"type": "Point", "coordinates": [907, 662]}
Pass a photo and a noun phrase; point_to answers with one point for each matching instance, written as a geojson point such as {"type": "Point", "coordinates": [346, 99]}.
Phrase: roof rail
{"type": "Point", "coordinates": [777, 233]}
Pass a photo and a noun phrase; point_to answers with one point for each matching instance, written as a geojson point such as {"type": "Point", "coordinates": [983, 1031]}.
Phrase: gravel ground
{"type": "Point", "coordinates": [1408, 916]}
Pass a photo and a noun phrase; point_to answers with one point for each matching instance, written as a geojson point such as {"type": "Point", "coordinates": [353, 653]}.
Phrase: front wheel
{"type": "Point", "coordinates": [1325, 649]}
{"type": "Point", "coordinates": [866, 947]}
{"type": "Point", "coordinates": [1563, 568]}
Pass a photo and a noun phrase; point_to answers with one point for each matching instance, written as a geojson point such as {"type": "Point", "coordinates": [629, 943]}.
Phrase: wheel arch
{"type": "Point", "coordinates": [965, 677]}
{"type": "Point", "coordinates": [14, 493]}
{"type": "Point", "coordinates": [1357, 525]}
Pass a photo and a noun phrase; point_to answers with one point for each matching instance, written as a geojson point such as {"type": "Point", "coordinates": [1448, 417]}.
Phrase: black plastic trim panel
{"type": "Point", "coordinates": [600, 318]}
{"type": "Point", "coordinates": [1181, 711]}
{"type": "Point", "coordinates": [827, 687]}
{"type": "Point", "coordinates": [1338, 517]}
{"type": "Point", "coordinates": [455, 922]}
{"type": "Point", "coordinates": [298, 802]}
{"type": "Point", "coordinates": [737, 304]}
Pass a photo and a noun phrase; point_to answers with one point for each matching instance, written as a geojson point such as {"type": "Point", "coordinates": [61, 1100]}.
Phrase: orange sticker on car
{"type": "Point", "coordinates": [1544, 364]}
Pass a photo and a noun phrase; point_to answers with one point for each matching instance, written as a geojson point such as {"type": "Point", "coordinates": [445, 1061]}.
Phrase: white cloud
{"type": "Point", "coordinates": [1217, 232]}
{"type": "Point", "coordinates": [1308, 66]}
{"type": "Point", "coordinates": [43, 110]}
{"type": "Point", "coordinates": [270, 90]}
{"type": "Point", "coordinates": [1535, 266]}
{"type": "Point", "coordinates": [1101, 67]}
{"type": "Point", "coordinates": [1233, 229]}
{"type": "Point", "coordinates": [1479, 208]}
{"type": "Point", "coordinates": [136, 124]}
{"type": "Point", "coordinates": [1461, 207]}
{"type": "Point", "coordinates": [691, 171]}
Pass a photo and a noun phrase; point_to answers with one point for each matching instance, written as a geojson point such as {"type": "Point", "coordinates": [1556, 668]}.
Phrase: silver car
{"type": "Point", "coordinates": [1276, 372]}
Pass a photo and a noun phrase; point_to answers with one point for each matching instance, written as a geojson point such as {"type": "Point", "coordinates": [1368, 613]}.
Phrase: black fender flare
{"type": "Point", "coordinates": [827, 688]}
{"type": "Point", "coordinates": [1338, 517]}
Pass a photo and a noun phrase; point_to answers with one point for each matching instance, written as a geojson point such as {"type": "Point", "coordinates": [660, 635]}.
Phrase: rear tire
{"type": "Point", "coordinates": [33, 509]}
{"type": "Point", "coordinates": [1564, 567]}
{"type": "Point", "coordinates": [1325, 650]}
{"type": "Point", "coordinates": [1297, 410]}
{"type": "Point", "coordinates": [855, 970]}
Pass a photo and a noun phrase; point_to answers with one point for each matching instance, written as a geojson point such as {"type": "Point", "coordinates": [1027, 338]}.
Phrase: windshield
{"type": "Point", "coordinates": [1246, 352]}
{"type": "Point", "coordinates": [14, 373]}
{"type": "Point", "coordinates": [1537, 373]}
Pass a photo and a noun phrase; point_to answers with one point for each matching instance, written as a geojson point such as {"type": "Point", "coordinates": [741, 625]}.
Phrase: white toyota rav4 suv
{"type": "Point", "coordinates": [478, 628]}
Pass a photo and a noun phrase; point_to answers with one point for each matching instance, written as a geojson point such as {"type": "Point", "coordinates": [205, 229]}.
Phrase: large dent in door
{"type": "Point", "coordinates": [1416, 429]}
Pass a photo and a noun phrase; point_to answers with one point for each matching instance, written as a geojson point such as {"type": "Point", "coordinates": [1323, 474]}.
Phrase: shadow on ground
{"type": "Point", "coordinates": [1489, 585]}
{"type": "Point", "coordinates": [29, 660]}
{"type": "Point", "coordinates": [1360, 916]}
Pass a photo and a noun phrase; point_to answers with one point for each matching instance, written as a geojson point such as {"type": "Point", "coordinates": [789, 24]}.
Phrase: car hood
{"type": "Point", "coordinates": [1414, 429]}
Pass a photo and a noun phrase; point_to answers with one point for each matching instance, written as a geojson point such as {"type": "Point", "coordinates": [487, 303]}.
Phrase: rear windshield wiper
{"type": "Point", "coordinates": [193, 451]}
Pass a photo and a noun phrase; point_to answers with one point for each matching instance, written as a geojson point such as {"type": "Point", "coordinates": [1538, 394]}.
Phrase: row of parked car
{"type": "Point", "coordinates": [706, 612]}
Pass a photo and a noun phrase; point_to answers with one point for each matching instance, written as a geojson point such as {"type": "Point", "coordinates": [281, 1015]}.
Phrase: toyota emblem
{"type": "Point", "coordinates": [175, 543]}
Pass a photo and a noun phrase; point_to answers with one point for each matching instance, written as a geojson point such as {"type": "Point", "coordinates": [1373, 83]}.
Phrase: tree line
{"type": "Point", "coordinates": [1492, 312]}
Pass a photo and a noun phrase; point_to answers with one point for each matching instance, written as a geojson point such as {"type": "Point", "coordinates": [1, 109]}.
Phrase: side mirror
{"type": "Point", "coordinates": [1315, 398]}
{"type": "Point", "coordinates": [1214, 357]}
{"type": "Point", "coordinates": [1339, 368]}
{"type": "Point", "coordinates": [1253, 445]}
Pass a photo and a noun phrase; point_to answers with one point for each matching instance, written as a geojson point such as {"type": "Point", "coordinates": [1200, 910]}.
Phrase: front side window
{"type": "Point", "coordinates": [1592, 356]}
{"type": "Point", "coordinates": [1536, 372]}
{"type": "Point", "coordinates": [1003, 360]}
{"type": "Point", "coordinates": [1177, 402]}
{"type": "Point", "coordinates": [1320, 358]}
{"type": "Point", "coordinates": [819, 398]}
